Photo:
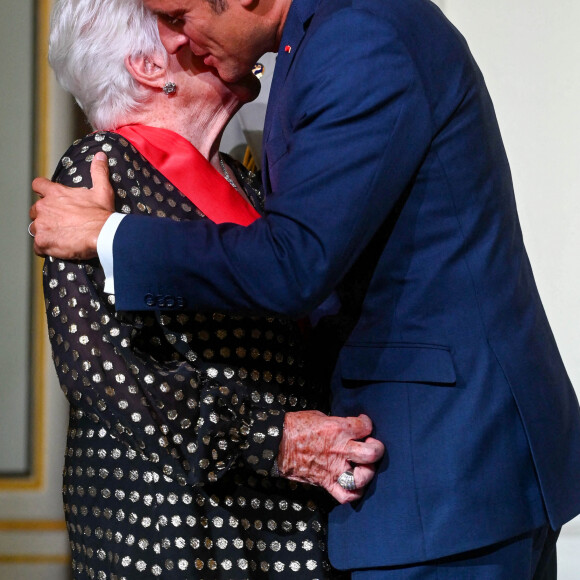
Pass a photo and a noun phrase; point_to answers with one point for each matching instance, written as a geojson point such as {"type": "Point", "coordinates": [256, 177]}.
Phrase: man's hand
{"type": "Point", "coordinates": [316, 449]}
{"type": "Point", "coordinates": [67, 221]}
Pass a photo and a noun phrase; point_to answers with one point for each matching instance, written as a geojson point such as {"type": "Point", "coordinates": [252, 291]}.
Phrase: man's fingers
{"type": "Point", "coordinates": [41, 185]}
{"type": "Point", "coordinates": [100, 169]}
{"type": "Point", "coordinates": [101, 184]}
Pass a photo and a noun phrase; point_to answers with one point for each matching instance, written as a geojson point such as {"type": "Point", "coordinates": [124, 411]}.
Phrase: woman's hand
{"type": "Point", "coordinates": [317, 449]}
{"type": "Point", "coordinates": [67, 221]}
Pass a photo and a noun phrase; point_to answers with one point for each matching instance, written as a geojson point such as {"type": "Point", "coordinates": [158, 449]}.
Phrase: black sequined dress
{"type": "Point", "coordinates": [175, 417]}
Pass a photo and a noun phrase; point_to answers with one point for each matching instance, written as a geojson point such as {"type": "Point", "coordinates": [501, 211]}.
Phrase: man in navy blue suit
{"type": "Point", "coordinates": [390, 209]}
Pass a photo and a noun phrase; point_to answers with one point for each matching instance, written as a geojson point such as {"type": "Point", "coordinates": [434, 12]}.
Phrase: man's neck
{"type": "Point", "coordinates": [283, 7]}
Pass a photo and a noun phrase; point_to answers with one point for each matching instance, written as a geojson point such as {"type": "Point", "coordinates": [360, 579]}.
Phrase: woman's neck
{"type": "Point", "coordinates": [201, 124]}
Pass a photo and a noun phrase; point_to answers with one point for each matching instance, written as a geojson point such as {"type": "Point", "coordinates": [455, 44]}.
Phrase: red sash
{"type": "Point", "coordinates": [188, 170]}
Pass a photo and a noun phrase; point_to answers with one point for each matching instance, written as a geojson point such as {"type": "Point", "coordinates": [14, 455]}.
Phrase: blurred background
{"type": "Point", "coordinates": [528, 51]}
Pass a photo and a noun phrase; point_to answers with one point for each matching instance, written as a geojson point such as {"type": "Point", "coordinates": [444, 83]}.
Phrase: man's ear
{"type": "Point", "coordinates": [147, 70]}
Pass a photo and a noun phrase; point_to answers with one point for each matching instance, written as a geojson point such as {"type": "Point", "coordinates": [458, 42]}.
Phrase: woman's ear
{"type": "Point", "coordinates": [150, 71]}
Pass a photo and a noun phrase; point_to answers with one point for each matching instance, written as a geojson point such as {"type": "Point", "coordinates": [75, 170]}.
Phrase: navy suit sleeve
{"type": "Point", "coordinates": [350, 128]}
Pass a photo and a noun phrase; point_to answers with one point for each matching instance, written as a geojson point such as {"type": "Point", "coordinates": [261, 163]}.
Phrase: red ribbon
{"type": "Point", "coordinates": [188, 170]}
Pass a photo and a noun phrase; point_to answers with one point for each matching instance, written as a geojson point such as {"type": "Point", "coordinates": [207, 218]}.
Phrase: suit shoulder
{"type": "Point", "coordinates": [410, 20]}
{"type": "Point", "coordinates": [413, 25]}
{"type": "Point", "coordinates": [401, 32]}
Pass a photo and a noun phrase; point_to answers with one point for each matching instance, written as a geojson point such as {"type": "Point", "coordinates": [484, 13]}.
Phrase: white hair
{"type": "Point", "coordinates": [89, 41]}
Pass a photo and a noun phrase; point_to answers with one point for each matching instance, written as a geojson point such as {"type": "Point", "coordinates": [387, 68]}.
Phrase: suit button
{"type": "Point", "coordinates": [150, 300]}
{"type": "Point", "coordinates": [169, 302]}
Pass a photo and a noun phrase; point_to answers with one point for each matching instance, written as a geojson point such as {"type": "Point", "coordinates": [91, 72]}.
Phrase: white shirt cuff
{"type": "Point", "coordinates": [105, 249]}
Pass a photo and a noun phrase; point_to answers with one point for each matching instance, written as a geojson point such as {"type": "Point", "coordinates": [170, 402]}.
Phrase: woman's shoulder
{"type": "Point", "coordinates": [82, 151]}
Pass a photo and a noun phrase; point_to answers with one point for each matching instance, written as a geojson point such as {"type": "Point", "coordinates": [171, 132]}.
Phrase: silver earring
{"type": "Point", "coordinates": [169, 88]}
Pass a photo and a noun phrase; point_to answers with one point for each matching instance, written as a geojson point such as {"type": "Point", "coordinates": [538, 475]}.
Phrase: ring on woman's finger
{"type": "Point", "coordinates": [346, 481]}
{"type": "Point", "coordinates": [29, 232]}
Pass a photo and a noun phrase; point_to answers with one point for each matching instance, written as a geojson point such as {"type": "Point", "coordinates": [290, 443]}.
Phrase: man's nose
{"type": "Point", "coordinates": [171, 38]}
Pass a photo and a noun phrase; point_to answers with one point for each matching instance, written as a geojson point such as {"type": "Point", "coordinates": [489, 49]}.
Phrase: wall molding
{"type": "Point", "coordinates": [41, 138]}
{"type": "Point", "coordinates": [32, 525]}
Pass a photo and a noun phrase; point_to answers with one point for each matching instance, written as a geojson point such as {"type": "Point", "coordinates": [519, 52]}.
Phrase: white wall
{"type": "Point", "coordinates": [16, 102]}
{"type": "Point", "coordinates": [33, 417]}
{"type": "Point", "coordinates": [529, 52]}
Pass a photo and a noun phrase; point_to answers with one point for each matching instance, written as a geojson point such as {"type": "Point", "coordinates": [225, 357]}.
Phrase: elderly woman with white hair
{"type": "Point", "coordinates": [175, 416]}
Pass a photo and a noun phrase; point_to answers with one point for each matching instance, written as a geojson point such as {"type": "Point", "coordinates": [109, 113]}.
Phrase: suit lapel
{"type": "Point", "coordinates": [295, 28]}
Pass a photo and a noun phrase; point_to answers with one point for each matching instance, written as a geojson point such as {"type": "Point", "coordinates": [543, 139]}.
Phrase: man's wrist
{"type": "Point", "coordinates": [105, 249]}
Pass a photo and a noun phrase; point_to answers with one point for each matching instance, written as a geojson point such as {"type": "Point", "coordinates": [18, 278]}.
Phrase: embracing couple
{"type": "Point", "coordinates": [342, 369]}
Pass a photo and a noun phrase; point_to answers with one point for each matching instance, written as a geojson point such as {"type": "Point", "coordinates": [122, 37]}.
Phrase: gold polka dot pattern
{"type": "Point", "coordinates": [175, 417]}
